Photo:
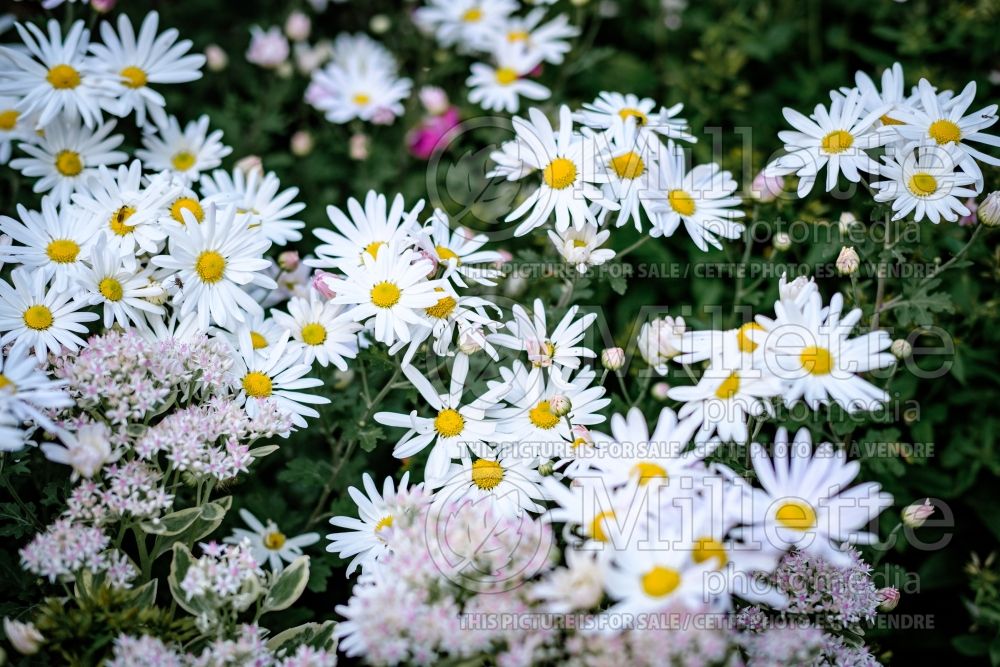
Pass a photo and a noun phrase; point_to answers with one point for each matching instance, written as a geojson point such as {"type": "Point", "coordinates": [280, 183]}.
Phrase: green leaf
{"type": "Point", "coordinates": [317, 635]}
{"type": "Point", "coordinates": [172, 524]}
{"type": "Point", "coordinates": [618, 283]}
{"type": "Point", "coordinates": [263, 450]}
{"type": "Point", "coordinates": [179, 566]}
{"type": "Point", "coordinates": [288, 586]}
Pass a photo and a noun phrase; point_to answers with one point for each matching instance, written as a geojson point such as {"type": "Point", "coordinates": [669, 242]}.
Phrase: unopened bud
{"type": "Point", "coordinates": [216, 58]}
{"type": "Point", "coordinates": [613, 358]}
{"type": "Point", "coordinates": [251, 164]}
{"type": "Point", "coordinates": [298, 26]}
{"type": "Point", "coordinates": [560, 405]}
{"type": "Point", "coordinates": [434, 99]}
{"type": "Point", "coordinates": [847, 220]}
{"type": "Point", "coordinates": [659, 391]}
{"type": "Point", "coordinates": [848, 261]}
{"type": "Point", "coordinates": [302, 143]}
{"type": "Point", "coordinates": [782, 241]}
{"type": "Point", "coordinates": [546, 469]}
{"type": "Point", "coordinates": [916, 515]}
{"type": "Point", "coordinates": [380, 24]}
{"type": "Point", "coordinates": [288, 260]}
{"type": "Point", "coordinates": [325, 283]}
{"type": "Point", "coordinates": [766, 189]}
{"type": "Point", "coordinates": [900, 348]}
{"type": "Point", "coordinates": [887, 598]}
{"type": "Point", "coordinates": [357, 147]}
{"type": "Point", "coordinates": [989, 210]}
{"type": "Point", "coordinates": [24, 637]}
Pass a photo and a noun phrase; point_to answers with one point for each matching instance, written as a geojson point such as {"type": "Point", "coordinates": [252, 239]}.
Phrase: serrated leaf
{"type": "Point", "coordinates": [288, 586]}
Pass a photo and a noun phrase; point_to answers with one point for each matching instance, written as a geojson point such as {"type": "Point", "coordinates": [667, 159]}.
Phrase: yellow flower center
{"type": "Point", "coordinates": [628, 165]}
{"type": "Point", "coordinates": [944, 131]}
{"type": "Point", "coordinates": [442, 309]}
{"type": "Point", "coordinates": [796, 514]}
{"type": "Point", "coordinates": [68, 163]}
{"type": "Point", "coordinates": [560, 174]}
{"type": "Point", "coordinates": [579, 243]}
{"type": "Point", "coordinates": [134, 77]}
{"type": "Point", "coordinates": [579, 442]}
{"type": "Point", "coordinates": [646, 471]}
{"type": "Point", "coordinates": [506, 76]}
{"type": "Point", "coordinates": [837, 141]}
{"type": "Point", "coordinates": [681, 202]}
{"type": "Point", "coordinates": [314, 333]}
{"type": "Point", "coordinates": [62, 251]}
{"type": "Point", "coordinates": [597, 526]}
{"type": "Point", "coordinates": [743, 341]}
{"type": "Point", "coordinates": [361, 99]}
{"type": "Point", "coordinates": [541, 416]}
{"type": "Point", "coordinates": [182, 160]}
{"type": "Point", "coordinates": [385, 294]}
{"type": "Point", "coordinates": [274, 540]}
{"type": "Point", "coordinates": [6, 382]}
{"type": "Point", "coordinates": [118, 218]}
{"type": "Point", "coordinates": [257, 340]}
{"type": "Point", "coordinates": [518, 36]}
{"type": "Point", "coordinates": [660, 581]}
{"type": "Point", "coordinates": [729, 387]}
{"type": "Point", "coordinates": [210, 266]}
{"type": "Point", "coordinates": [449, 423]}
{"type": "Point", "coordinates": [8, 119]}
{"type": "Point", "coordinates": [372, 248]}
{"type": "Point", "coordinates": [63, 77]}
{"type": "Point", "coordinates": [186, 204]}
{"type": "Point", "coordinates": [38, 317]}
{"type": "Point", "coordinates": [889, 120]}
{"type": "Point", "coordinates": [707, 548]}
{"type": "Point", "coordinates": [486, 474]}
{"type": "Point", "coordinates": [816, 360]}
{"type": "Point", "coordinates": [923, 184]}
{"type": "Point", "coordinates": [111, 289]}
{"type": "Point", "coordinates": [472, 15]}
{"type": "Point", "coordinates": [629, 112]}
{"type": "Point", "coordinates": [257, 384]}
{"type": "Point", "coordinates": [446, 254]}
{"type": "Point", "coordinates": [383, 523]}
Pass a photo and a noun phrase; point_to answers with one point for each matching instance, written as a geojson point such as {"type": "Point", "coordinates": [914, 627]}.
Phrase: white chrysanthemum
{"type": "Point", "coordinates": [891, 96]}
{"type": "Point", "coordinates": [128, 210]}
{"type": "Point", "coordinates": [806, 503]}
{"type": "Point", "coordinates": [391, 290]}
{"type": "Point", "coordinates": [361, 51]}
{"type": "Point", "coordinates": [187, 153]}
{"type": "Point", "coordinates": [926, 182]}
{"type": "Point", "coordinates": [366, 230]}
{"type": "Point", "coordinates": [507, 483]}
{"type": "Point", "coordinates": [460, 251]}
{"type": "Point", "coordinates": [54, 242]}
{"type": "Point", "coordinates": [133, 62]}
{"type": "Point", "coordinates": [54, 77]}
{"type": "Point", "coordinates": [212, 262]}
{"type": "Point", "coordinates": [345, 91]}
{"type": "Point", "coordinates": [26, 391]}
{"type": "Point", "coordinates": [610, 108]}
{"type": "Point", "coordinates": [268, 544]}
{"type": "Point", "coordinates": [471, 24]}
{"type": "Point", "coordinates": [836, 139]}
{"type": "Point", "coordinates": [501, 87]}
{"type": "Point", "coordinates": [263, 332]}
{"type": "Point", "coordinates": [547, 41]}
{"type": "Point", "coordinates": [67, 155]}
{"type": "Point", "coordinates": [561, 347]}
{"type": "Point", "coordinates": [582, 247]}
{"type": "Point", "coordinates": [257, 198]}
{"type": "Point", "coordinates": [124, 290]}
{"type": "Point", "coordinates": [39, 317]}
{"type": "Point", "coordinates": [323, 331]}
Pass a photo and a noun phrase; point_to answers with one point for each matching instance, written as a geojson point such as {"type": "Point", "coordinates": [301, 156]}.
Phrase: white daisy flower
{"type": "Point", "coordinates": [808, 349]}
{"type": "Point", "coordinates": [569, 174]}
{"type": "Point", "coordinates": [471, 24]}
{"type": "Point", "coordinates": [268, 544]}
{"type": "Point", "coordinates": [212, 262]}
{"type": "Point", "coordinates": [126, 209]}
{"type": "Point", "coordinates": [510, 161]}
{"type": "Point", "coordinates": [596, 514]}
{"type": "Point", "coordinates": [26, 392]}
{"type": "Point", "coordinates": [611, 108]}
{"type": "Point", "coordinates": [560, 348]}
{"type": "Point", "coordinates": [948, 125]}
{"type": "Point", "coordinates": [508, 483]}
{"type": "Point", "coordinates": [55, 242]}
{"type": "Point", "coordinates": [277, 377]}
{"type": "Point", "coordinates": [548, 41]}
{"type": "Point", "coordinates": [806, 503]}
{"type": "Point", "coordinates": [366, 230]}
{"type": "Point", "coordinates": [460, 251]}
{"type": "Point", "coordinates": [133, 62]}
{"type": "Point", "coordinates": [369, 537]}
{"type": "Point", "coordinates": [926, 182]}
{"type": "Point", "coordinates": [729, 349]}
{"type": "Point", "coordinates": [361, 51]}
{"type": "Point", "coordinates": [836, 139]}
{"type": "Point", "coordinates": [257, 198]}
{"type": "Point", "coordinates": [14, 126]}
{"type": "Point", "coordinates": [582, 247]}
{"type": "Point", "coordinates": [891, 95]}
{"type": "Point", "coordinates": [39, 317]}
{"type": "Point", "coordinates": [187, 153]}
{"type": "Point", "coordinates": [123, 289]}
{"type": "Point", "coordinates": [54, 77]}
{"type": "Point", "coordinates": [702, 198]}
{"type": "Point", "coordinates": [349, 90]}
{"type": "Point", "coordinates": [630, 158]}
{"type": "Point", "coordinates": [323, 331]}
{"type": "Point", "coordinates": [67, 155]}
{"type": "Point", "coordinates": [501, 87]}
{"type": "Point", "coordinates": [391, 291]}
{"type": "Point", "coordinates": [456, 425]}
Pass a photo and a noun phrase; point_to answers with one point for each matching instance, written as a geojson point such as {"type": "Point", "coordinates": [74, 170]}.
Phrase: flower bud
{"type": "Point", "coordinates": [24, 637]}
{"type": "Point", "coordinates": [250, 164]}
{"type": "Point", "coordinates": [434, 99]}
{"type": "Point", "coordinates": [215, 58]}
{"type": "Point", "coordinates": [288, 260]}
{"type": "Point", "coordinates": [358, 147]}
{"type": "Point", "coordinates": [887, 598]}
{"type": "Point", "coordinates": [848, 261]}
{"type": "Point", "coordinates": [268, 48]}
{"type": "Point", "coordinates": [900, 348]}
{"type": "Point", "coordinates": [916, 515]}
{"type": "Point", "coordinates": [103, 6]}
{"type": "Point", "coordinates": [380, 24]}
{"type": "Point", "coordinates": [613, 358]}
{"type": "Point", "coordinates": [766, 189]}
{"type": "Point", "coordinates": [660, 341]}
{"type": "Point", "coordinates": [302, 143]}
{"type": "Point", "coordinates": [659, 391]}
{"type": "Point", "coordinates": [989, 210]}
{"type": "Point", "coordinates": [560, 405]}
{"type": "Point", "coordinates": [847, 220]}
{"type": "Point", "coordinates": [298, 26]}
{"type": "Point", "coordinates": [325, 283]}
{"type": "Point", "coordinates": [782, 241]}
{"type": "Point", "coordinates": [546, 468]}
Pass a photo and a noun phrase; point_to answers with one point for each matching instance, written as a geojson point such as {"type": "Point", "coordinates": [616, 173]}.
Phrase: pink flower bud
{"type": "Point", "coordinates": [267, 49]}
{"type": "Point", "coordinates": [103, 6]}
{"type": "Point", "coordinates": [358, 147]}
{"type": "Point", "coordinates": [298, 26]}
{"type": "Point", "coordinates": [434, 99]}
{"type": "Point", "coordinates": [660, 390]}
{"type": "Point", "coordinates": [916, 515]}
{"type": "Point", "coordinates": [766, 189]}
{"type": "Point", "coordinates": [325, 283]}
{"type": "Point", "coordinates": [302, 143]}
{"type": "Point", "coordinates": [613, 358]}
{"type": "Point", "coordinates": [288, 260]}
{"type": "Point", "coordinates": [216, 58]}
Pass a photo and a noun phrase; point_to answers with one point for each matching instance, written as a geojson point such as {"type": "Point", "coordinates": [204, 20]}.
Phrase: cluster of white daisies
{"type": "Point", "coordinates": [621, 165]}
{"type": "Point", "coordinates": [928, 142]}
